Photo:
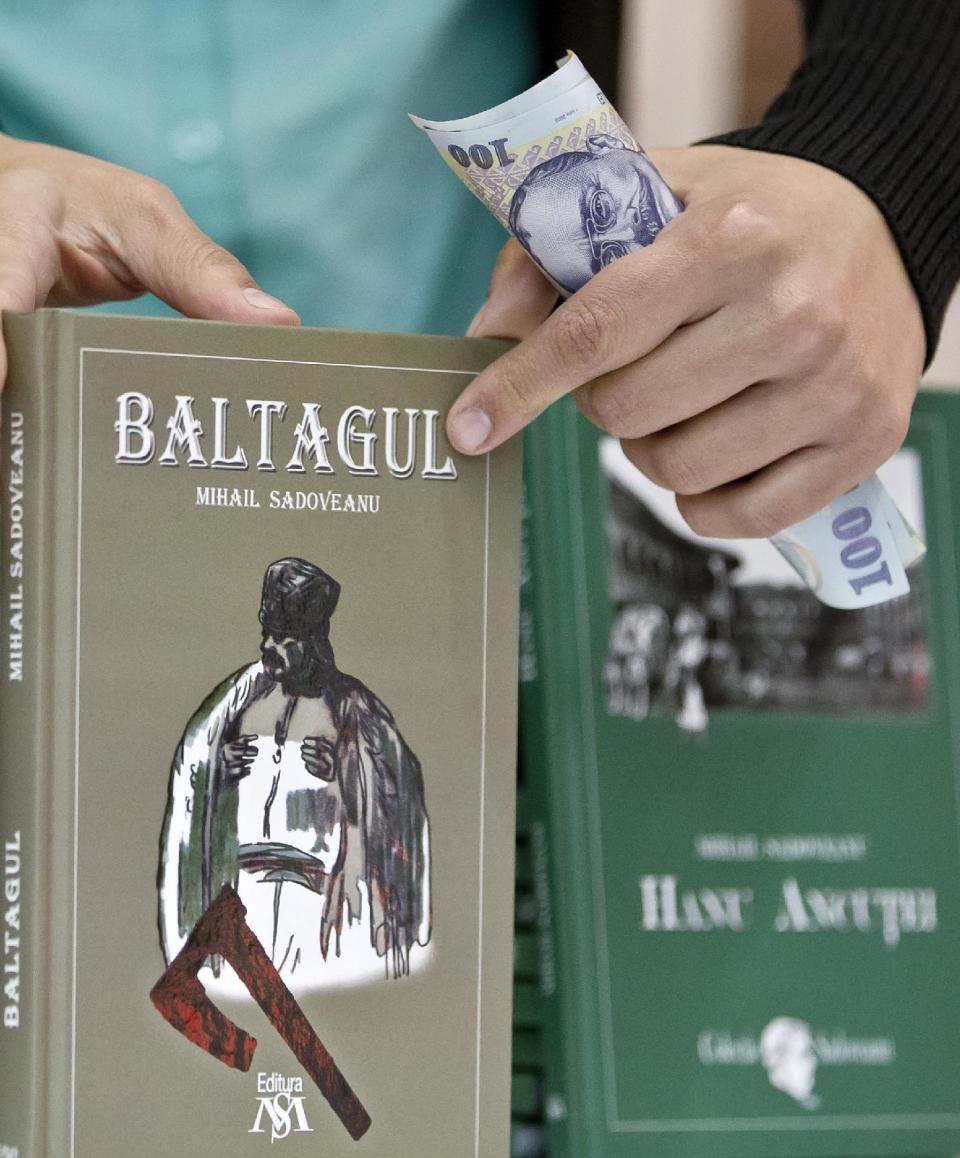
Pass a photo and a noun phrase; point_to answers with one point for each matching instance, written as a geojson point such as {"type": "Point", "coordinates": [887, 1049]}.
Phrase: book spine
{"type": "Point", "coordinates": [538, 769]}
{"type": "Point", "coordinates": [528, 1136]}
{"type": "Point", "coordinates": [24, 480]}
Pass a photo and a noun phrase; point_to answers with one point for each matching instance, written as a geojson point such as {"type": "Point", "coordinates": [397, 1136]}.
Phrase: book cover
{"type": "Point", "coordinates": [257, 745]}
{"type": "Point", "coordinates": [744, 830]}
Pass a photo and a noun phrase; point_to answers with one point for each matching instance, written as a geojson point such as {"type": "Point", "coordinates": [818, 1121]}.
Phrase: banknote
{"type": "Point", "coordinates": [564, 175]}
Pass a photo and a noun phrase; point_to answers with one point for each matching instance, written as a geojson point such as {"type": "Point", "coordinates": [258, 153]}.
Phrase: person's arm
{"type": "Point", "coordinates": [877, 99]}
{"type": "Point", "coordinates": [75, 231]}
{"type": "Point", "coordinates": [762, 356]}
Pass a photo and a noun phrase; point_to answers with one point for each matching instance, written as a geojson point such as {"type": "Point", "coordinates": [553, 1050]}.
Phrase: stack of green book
{"type": "Point", "coordinates": [739, 828]}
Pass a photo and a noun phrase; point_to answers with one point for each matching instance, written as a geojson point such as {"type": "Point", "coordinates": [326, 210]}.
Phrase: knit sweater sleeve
{"type": "Point", "coordinates": [877, 99]}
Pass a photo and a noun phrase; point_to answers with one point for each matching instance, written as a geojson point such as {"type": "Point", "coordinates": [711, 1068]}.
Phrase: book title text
{"type": "Point", "coordinates": [11, 932]}
{"type": "Point", "coordinates": [369, 441]}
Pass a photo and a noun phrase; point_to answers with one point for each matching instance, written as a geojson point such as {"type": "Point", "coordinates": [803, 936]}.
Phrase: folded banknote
{"type": "Point", "coordinates": [564, 175]}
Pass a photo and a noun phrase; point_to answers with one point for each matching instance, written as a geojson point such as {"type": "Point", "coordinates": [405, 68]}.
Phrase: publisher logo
{"type": "Point", "coordinates": [280, 1109]}
{"type": "Point", "coordinates": [788, 1056]}
{"type": "Point", "coordinates": [793, 1053]}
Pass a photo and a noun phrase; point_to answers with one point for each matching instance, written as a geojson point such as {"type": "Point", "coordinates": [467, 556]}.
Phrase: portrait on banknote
{"type": "Point", "coordinates": [576, 212]}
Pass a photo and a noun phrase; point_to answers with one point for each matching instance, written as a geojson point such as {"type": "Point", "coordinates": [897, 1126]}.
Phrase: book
{"type": "Point", "coordinates": [257, 744]}
{"type": "Point", "coordinates": [741, 827]}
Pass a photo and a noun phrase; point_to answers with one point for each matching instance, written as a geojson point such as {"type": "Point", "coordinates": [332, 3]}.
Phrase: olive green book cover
{"type": "Point", "coordinates": [743, 847]}
{"type": "Point", "coordinates": [257, 745]}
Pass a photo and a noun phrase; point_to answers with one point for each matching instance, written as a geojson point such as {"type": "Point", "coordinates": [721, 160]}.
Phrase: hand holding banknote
{"type": "Point", "coordinates": [760, 360]}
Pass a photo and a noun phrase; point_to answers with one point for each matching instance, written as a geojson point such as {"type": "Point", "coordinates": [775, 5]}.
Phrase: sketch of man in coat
{"type": "Point", "coordinates": [293, 784]}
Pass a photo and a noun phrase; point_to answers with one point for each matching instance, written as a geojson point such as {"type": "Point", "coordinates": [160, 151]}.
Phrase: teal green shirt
{"type": "Point", "coordinates": [282, 128]}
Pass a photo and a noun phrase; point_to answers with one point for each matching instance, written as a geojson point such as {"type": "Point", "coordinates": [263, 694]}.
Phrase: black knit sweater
{"type": "Point", "coordinates": [877, 99]}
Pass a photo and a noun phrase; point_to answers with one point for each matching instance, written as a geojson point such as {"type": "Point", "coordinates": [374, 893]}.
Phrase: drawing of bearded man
{"type": "Point", "coordinates": [293, 784]}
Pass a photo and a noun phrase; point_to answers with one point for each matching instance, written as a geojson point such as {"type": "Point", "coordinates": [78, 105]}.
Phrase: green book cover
{"type": "Point", "coordinates": [257, 745]}
{"type": "Point", "coordinates": [744, 832]}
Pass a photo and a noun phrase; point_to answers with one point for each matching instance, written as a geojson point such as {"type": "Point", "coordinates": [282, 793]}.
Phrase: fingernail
{"type": "Point", "coordinates": [477, 321]}
{"type": "Point", "coordinates": [256, 297]}
{"type": "Point", "coordinates": [469, 430]}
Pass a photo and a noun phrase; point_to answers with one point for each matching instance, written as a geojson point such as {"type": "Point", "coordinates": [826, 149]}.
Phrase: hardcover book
{"type": "Point", "coordinates": [742, 842]}
{"type": "Point", "coordinates": [257, 745]}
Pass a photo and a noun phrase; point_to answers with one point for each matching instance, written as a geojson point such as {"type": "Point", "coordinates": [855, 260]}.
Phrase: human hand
{"type": "Point", "coordinates": [75, 231]}
{"type": "Point", "coordinates": [759, 359]}
{"type": "Point", "coordinates": [317, 753]}
{"type": "Point", "coordinates": [238, 757]}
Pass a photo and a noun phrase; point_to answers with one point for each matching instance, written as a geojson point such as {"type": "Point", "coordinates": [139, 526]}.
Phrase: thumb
{"type": "Point", "coordinates": [519, 298]}
{"type": "Point", "coordinates": [169, 256]}
{"type": "Point", "coordinates": [18, 291]}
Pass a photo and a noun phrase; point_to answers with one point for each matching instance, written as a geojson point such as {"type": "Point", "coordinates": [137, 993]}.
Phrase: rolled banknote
{"type": "Point", "coordinates": [564, 175]}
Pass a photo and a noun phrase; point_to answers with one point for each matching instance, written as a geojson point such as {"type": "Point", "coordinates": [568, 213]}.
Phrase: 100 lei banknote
{"type": "Point", "coordinates": [562, 172]}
